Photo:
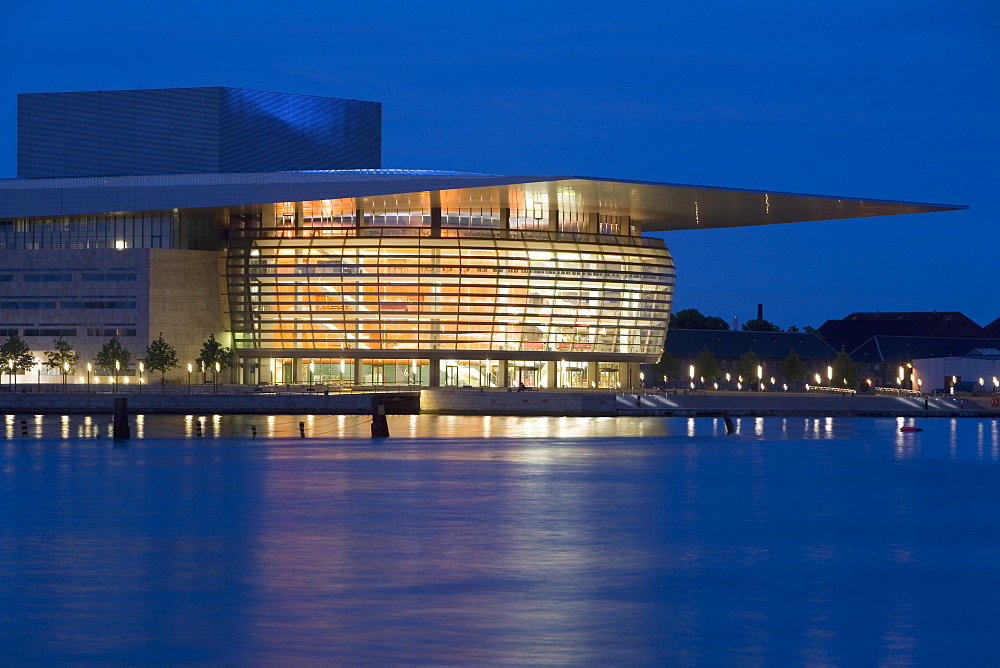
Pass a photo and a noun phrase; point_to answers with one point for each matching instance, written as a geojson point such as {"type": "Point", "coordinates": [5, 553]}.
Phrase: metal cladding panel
{"type": "Point", "coordinates": [115, 133]}
{"type": "Point", "coordinates": [268, 132]}
{"type": "Point", "coordinates": [192, 131]}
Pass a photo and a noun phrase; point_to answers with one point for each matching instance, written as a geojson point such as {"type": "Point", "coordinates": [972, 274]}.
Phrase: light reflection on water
{"type": "Point", "coordinates": [501, 540]}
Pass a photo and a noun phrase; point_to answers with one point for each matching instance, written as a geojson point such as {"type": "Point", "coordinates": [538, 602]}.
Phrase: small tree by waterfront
{"type": "Point", "coordinates": [213, 352]}
{"type": "Point", "coordinates": [111, 352]}
{"type": "Point", "coordinates": [162, 357]}
{"type": "Point", "coordinates": [706, 366]}
{"type": "Point", "coordinates": [793, 369]}
{"type": "Point", "coordinates": [667, 367]}
{"type": "Point", "coordinates": [15, 356]}
{"type": "Point", "coordinates": [746, 366]}
{"type": "Point", "coordinates": [63, 358]}
{"type": "Point", "coordinates": [845, 371]}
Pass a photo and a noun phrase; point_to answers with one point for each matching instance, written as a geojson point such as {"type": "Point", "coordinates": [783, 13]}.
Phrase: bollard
{"type": "Point", "coordinates": [120, 430]}
{"type": "Point", "coordinates": [730, 429]}
{"type": "Point", "coordinates": [302, 430]}
{"type": "Point", "coordinates": [380, 428]}
{"type": "Point", "coordinates": [24, 429]}
{"type": "Point", "coordinates": [197, 428]}
{"type": "Point", "coordinates": [253, 430]}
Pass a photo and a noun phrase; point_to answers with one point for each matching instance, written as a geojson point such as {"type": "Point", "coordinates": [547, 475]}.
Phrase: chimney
{"type": "Point", "coordinates": [760, 311]}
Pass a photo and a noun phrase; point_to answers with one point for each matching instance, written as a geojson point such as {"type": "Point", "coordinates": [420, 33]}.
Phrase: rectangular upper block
{"type": "Point", "coordinates": [192, 131]}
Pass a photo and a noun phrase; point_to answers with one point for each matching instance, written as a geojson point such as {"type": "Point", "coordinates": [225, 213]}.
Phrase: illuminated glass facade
{"type": "Point", "coordinates": [448, 294]}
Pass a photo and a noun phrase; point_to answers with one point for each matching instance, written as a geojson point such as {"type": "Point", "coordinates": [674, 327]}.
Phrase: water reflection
{"type": "Point", "coordinates": [953, 432]}
{"type": "Point", "coordinates": [501, 541]}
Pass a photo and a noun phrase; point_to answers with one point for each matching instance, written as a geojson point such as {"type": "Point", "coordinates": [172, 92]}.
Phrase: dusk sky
{"type": "Point", "coordinates": [894, 100]}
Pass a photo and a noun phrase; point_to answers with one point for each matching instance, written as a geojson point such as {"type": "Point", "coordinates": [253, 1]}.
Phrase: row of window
{"type": "Point", "coordinates": [66, 278]}
{"type": "Point", "coordinates": [31, 305]}
{"type": "Point", "coordinates": [53, 331]}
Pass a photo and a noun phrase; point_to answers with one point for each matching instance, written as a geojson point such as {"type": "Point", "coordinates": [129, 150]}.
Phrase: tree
{"type": "Point", "coordinates": [667, 367]}
{"type": "Point", "coordinates": [706, 366]}
{"type": "Point", "coordinates": [746, 366]}
{"type": "Point", "coordinates": [793, 329]}
{"type": "Point", "coordinates": [63, 357]}
{"type": "Point", "coordinates": [793, 369]}
{"type": "Point", "coordinates": [691, 318]}
{"type": "Point", "coordinates": [212, 353]}
{"type": "Point", "coordinates": [15, 355]}
{"type": "Point", "coordinates": [760, 325]}
{"type": "Point", "coordinates": [845, 372]}
{"type": "Point", "coordinates": [161, 356]}
{"type": "Point", "coordinates": [111, 352]}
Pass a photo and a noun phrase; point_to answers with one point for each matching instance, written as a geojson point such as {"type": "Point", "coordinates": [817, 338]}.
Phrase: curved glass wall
{"type": "Point", "coordinates": [339, 282]}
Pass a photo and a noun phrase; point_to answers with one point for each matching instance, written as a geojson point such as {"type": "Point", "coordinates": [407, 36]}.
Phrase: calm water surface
{"type": "Point", "coordinates": [500, 540]}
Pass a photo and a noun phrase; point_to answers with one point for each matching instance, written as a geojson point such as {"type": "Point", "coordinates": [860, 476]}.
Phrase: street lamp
{"type": "Point", "coordinates": [312, 369]}
{"type": "Point", "coordinates": [760, 378]}
{"type": "Point", "coordinates": [10, 367]}
{"type": "Point", "coordinates": [216, 377]}
{"type": "Point", "coordinates": [118, 367]}
{"type": "Point", "coordinates": [142, 367]}
{"type": "Point", "coordinates": [190, 369]}
{"type": "Point", "coordinates": [728, 379]}
{"type": "Point", "coordinates": [819, 380]}
{"type": "Point", "coordinates": [89, 369]}
{"type": "Point", "coordinates": [829, 374]}
{"type": "Point", "coordinates": [65, 369]}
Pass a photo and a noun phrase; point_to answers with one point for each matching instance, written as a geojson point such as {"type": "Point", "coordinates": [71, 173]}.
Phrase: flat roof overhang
{"type": "Point", "coordinates": [661, 207]}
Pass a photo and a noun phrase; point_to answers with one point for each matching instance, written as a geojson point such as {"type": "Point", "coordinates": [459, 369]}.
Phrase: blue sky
{"type": "Point", "coordinates": [883, 99]}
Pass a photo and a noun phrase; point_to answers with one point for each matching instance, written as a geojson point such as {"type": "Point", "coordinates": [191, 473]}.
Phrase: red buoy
{"type": "Point", "coordinates": [910, 429]}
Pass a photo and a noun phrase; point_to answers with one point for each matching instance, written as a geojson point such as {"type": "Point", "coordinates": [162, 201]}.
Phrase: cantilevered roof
{"type": "Point", "coordinates": [661, 207]}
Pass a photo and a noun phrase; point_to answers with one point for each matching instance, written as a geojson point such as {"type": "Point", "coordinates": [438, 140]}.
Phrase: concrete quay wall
{"type": "Point", "coordinates": [473, 401]}
{"type": "Point", "coordinates": [468, 401]}
{"type": "Point", "coordinates": [203, 404]}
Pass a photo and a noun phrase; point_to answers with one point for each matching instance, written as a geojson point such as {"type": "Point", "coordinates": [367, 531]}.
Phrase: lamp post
{"type": "Point", "coordinates": [691, 374]}
{"type": "Point", "coordinates": [89, 369]}
{"type": "Point", "coordinates": [189, 377]}
{"type": "Point", "coordinates": [65, 370]}
{"type": "Point", "coordinates": [216, 379]}
{"type": "Point", "coordinates": [118, 367]}
{"type": "Point", "coordinates": [312, 369]}
{"type": "Point", "coordinates": [142, 367]}
{"type": "Point", "coordinates": [10, 368]}
{"type": "Point", "coordinates": [729, 378]}
{"type": "Point", "coordinates": [760, 378]}
{"type": "Point", "coordinates": [829, 375]}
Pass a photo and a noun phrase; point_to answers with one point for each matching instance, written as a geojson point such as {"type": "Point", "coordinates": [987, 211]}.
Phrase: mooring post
{"type": "Point", "coordinates": [302, 429]}
{"type": "Point", "coordinates": [730, 429]}
{"type": "Point", "coordinates": [120, 430]}
{"type": "Point", "coordinates": [380, 427]}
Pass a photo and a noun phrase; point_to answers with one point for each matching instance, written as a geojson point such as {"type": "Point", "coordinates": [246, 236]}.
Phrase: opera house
{"type": "Point", "coordinates": [266, 219]}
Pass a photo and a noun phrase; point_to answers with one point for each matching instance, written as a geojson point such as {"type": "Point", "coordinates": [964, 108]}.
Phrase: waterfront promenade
{"type": "Point", "coordinates": [474, 401]}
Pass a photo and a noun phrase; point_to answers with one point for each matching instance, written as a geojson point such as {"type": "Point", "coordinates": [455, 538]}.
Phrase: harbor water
{"type": "Point", "coordinates": [477, 540]}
